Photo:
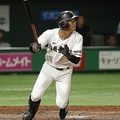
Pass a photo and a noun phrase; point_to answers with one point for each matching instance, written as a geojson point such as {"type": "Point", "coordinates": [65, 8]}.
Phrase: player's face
{"type": "Point", "coordinates": [72, 25]}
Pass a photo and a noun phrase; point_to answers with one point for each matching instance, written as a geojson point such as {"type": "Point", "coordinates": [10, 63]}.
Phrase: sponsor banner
{"type": "Point", "coordinates": [81, 64]}
{"type": "Point", "coordinates": [52, 14]}
{"type": "Point", "coordinates": [4, 18]}
{"type": "Point", "coordinates": [109, 60]}
{"type": "Point", "coordinates": [15, 62]}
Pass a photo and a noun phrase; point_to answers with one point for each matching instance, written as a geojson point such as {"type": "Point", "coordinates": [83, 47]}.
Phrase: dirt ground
{"type": "Point", "coordinates": [74, 113]}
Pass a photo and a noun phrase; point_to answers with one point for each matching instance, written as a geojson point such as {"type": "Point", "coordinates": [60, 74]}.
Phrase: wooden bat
{"type": "Point", "coordinates": [30, 17]}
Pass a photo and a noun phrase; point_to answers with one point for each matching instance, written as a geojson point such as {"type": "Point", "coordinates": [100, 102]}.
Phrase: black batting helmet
{"type": "Point", "coordinates": [64, 17]}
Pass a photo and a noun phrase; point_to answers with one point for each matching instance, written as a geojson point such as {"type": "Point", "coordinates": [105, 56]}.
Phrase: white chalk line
{"type": "Point", "coordinates": [74, 117]}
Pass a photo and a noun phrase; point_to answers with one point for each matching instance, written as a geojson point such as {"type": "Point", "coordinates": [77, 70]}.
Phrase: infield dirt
{"type": "Point", "coordinates": [74, 113]}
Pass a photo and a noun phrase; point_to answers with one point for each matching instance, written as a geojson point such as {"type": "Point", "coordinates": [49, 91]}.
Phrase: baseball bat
{"type": "Point", "coordinates": [30, 17]}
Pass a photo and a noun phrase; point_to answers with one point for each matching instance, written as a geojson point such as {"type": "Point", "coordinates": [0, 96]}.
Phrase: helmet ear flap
{"type": "Point", "coordinates": [64, 24]}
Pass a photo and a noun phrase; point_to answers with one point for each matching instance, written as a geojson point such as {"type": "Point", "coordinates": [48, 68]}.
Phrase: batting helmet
{"type": "Point", "coordinates": [64, 17]}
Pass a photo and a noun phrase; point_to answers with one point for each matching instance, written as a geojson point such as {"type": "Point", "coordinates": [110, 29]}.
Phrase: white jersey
{"type": "Point", "coordinates": [52, 39]}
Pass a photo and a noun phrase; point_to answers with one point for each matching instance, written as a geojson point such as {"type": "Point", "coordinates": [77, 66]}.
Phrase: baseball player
{"type": "Point", "coordinates": [64, 49]}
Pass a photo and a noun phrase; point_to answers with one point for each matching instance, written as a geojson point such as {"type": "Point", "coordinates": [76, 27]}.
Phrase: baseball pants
{"type": "Point", "coordinates": [62, 82]}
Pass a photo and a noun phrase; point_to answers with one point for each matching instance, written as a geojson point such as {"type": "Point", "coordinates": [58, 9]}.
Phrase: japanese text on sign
{"type": "Point", "coordinates": [19, 61]}
{"type": "Point", "coordinates": [109, 60]}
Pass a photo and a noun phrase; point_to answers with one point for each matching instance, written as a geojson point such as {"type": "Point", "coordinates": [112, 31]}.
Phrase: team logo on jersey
{"type": "Point", "coordinates": [55, 48]}
{"type": "Point", "coordinates": [78, 51]}
{"type": "Point", "coordinates": [54, 43]}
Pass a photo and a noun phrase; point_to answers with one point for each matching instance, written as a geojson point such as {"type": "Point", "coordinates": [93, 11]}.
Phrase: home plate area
{"type": "Point", "coordinates": [52, 113]}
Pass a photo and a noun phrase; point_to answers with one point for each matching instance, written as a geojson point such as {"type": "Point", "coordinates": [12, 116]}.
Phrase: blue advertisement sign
{"type": "Point", "coordinates": [49, 15]}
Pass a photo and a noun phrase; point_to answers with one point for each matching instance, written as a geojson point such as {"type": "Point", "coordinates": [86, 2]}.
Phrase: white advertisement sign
{"type": "Point", "coordinates": [109, 60]}
{"type": "Point", "coordinates": [4, 18]}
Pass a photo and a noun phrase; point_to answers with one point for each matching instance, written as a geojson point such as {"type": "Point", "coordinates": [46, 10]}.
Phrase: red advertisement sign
{"type": "Point", "coordinates": [15, 61]}
{"type": "Point", "coordinates": [81, 64]}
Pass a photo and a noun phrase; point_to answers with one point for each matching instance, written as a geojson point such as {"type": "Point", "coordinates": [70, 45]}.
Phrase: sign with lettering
{"type": "Point", "coordinates": [15, 62]}
{"type": "Point", "coordinates": [4, 17]}
{"type": "Point", "coordinates": [52, 14]}
{"type": "Point", "coordinates": [109, 60]}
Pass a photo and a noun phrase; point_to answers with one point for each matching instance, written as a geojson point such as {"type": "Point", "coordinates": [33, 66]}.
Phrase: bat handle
{"type": "Point", "coordinates": [35, 33]}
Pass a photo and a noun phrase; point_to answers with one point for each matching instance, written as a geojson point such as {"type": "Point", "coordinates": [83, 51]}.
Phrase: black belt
{"type": "Point", "coordinates": [63, 68]}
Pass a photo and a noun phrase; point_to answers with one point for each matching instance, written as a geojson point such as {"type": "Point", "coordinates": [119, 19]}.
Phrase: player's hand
{"type": "Point", "coordinates": [64, 50]}
{"type": "Point", "coordinates": [35, 48]}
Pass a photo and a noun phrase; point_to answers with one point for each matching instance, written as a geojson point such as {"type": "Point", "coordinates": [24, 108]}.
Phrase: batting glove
{"type": "Point", "coordinates": [64, 50]}
{"type": "Point", "coordinates": [34, 47]}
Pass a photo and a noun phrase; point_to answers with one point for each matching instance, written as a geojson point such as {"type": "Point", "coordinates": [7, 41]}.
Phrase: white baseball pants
{"type": "Point", "coordinates": [63, 84]}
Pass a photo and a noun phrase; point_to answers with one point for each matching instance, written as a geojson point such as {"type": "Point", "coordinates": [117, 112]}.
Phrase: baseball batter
{"type": "Point", "coordinates": [64, 49]}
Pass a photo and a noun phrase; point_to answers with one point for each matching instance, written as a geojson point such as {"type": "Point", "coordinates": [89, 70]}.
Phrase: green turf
{"type": "Point", "coordinates": [87, 89]}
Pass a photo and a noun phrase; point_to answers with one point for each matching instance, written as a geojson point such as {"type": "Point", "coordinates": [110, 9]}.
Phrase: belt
{"type": "Point", "coordinates": [63, 68]}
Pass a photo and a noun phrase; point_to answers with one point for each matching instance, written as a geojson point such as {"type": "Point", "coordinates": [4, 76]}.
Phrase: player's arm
{"type": "Point", "coordinates": [73, 59]}
{"type": "Point", "coordinates": [65, 51]}
{"type": "Point", "coordinates": [77, 51]}
{"type": "Point", "coordinates": [42, 40]}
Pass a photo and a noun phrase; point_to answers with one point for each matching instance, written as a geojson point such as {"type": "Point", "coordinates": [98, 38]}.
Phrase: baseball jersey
{"type": "Point", "coordinates": [51, 38]}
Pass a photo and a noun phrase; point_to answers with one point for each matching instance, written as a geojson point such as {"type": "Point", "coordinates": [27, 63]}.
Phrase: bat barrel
{"type": "Point", "coordinates": [30, 17]}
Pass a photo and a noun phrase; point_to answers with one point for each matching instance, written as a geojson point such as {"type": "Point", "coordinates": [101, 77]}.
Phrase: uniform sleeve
{"type": "Point", "coordinates": [77, 49]}
{"type": "Point", "coordinates": [43, 39]}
